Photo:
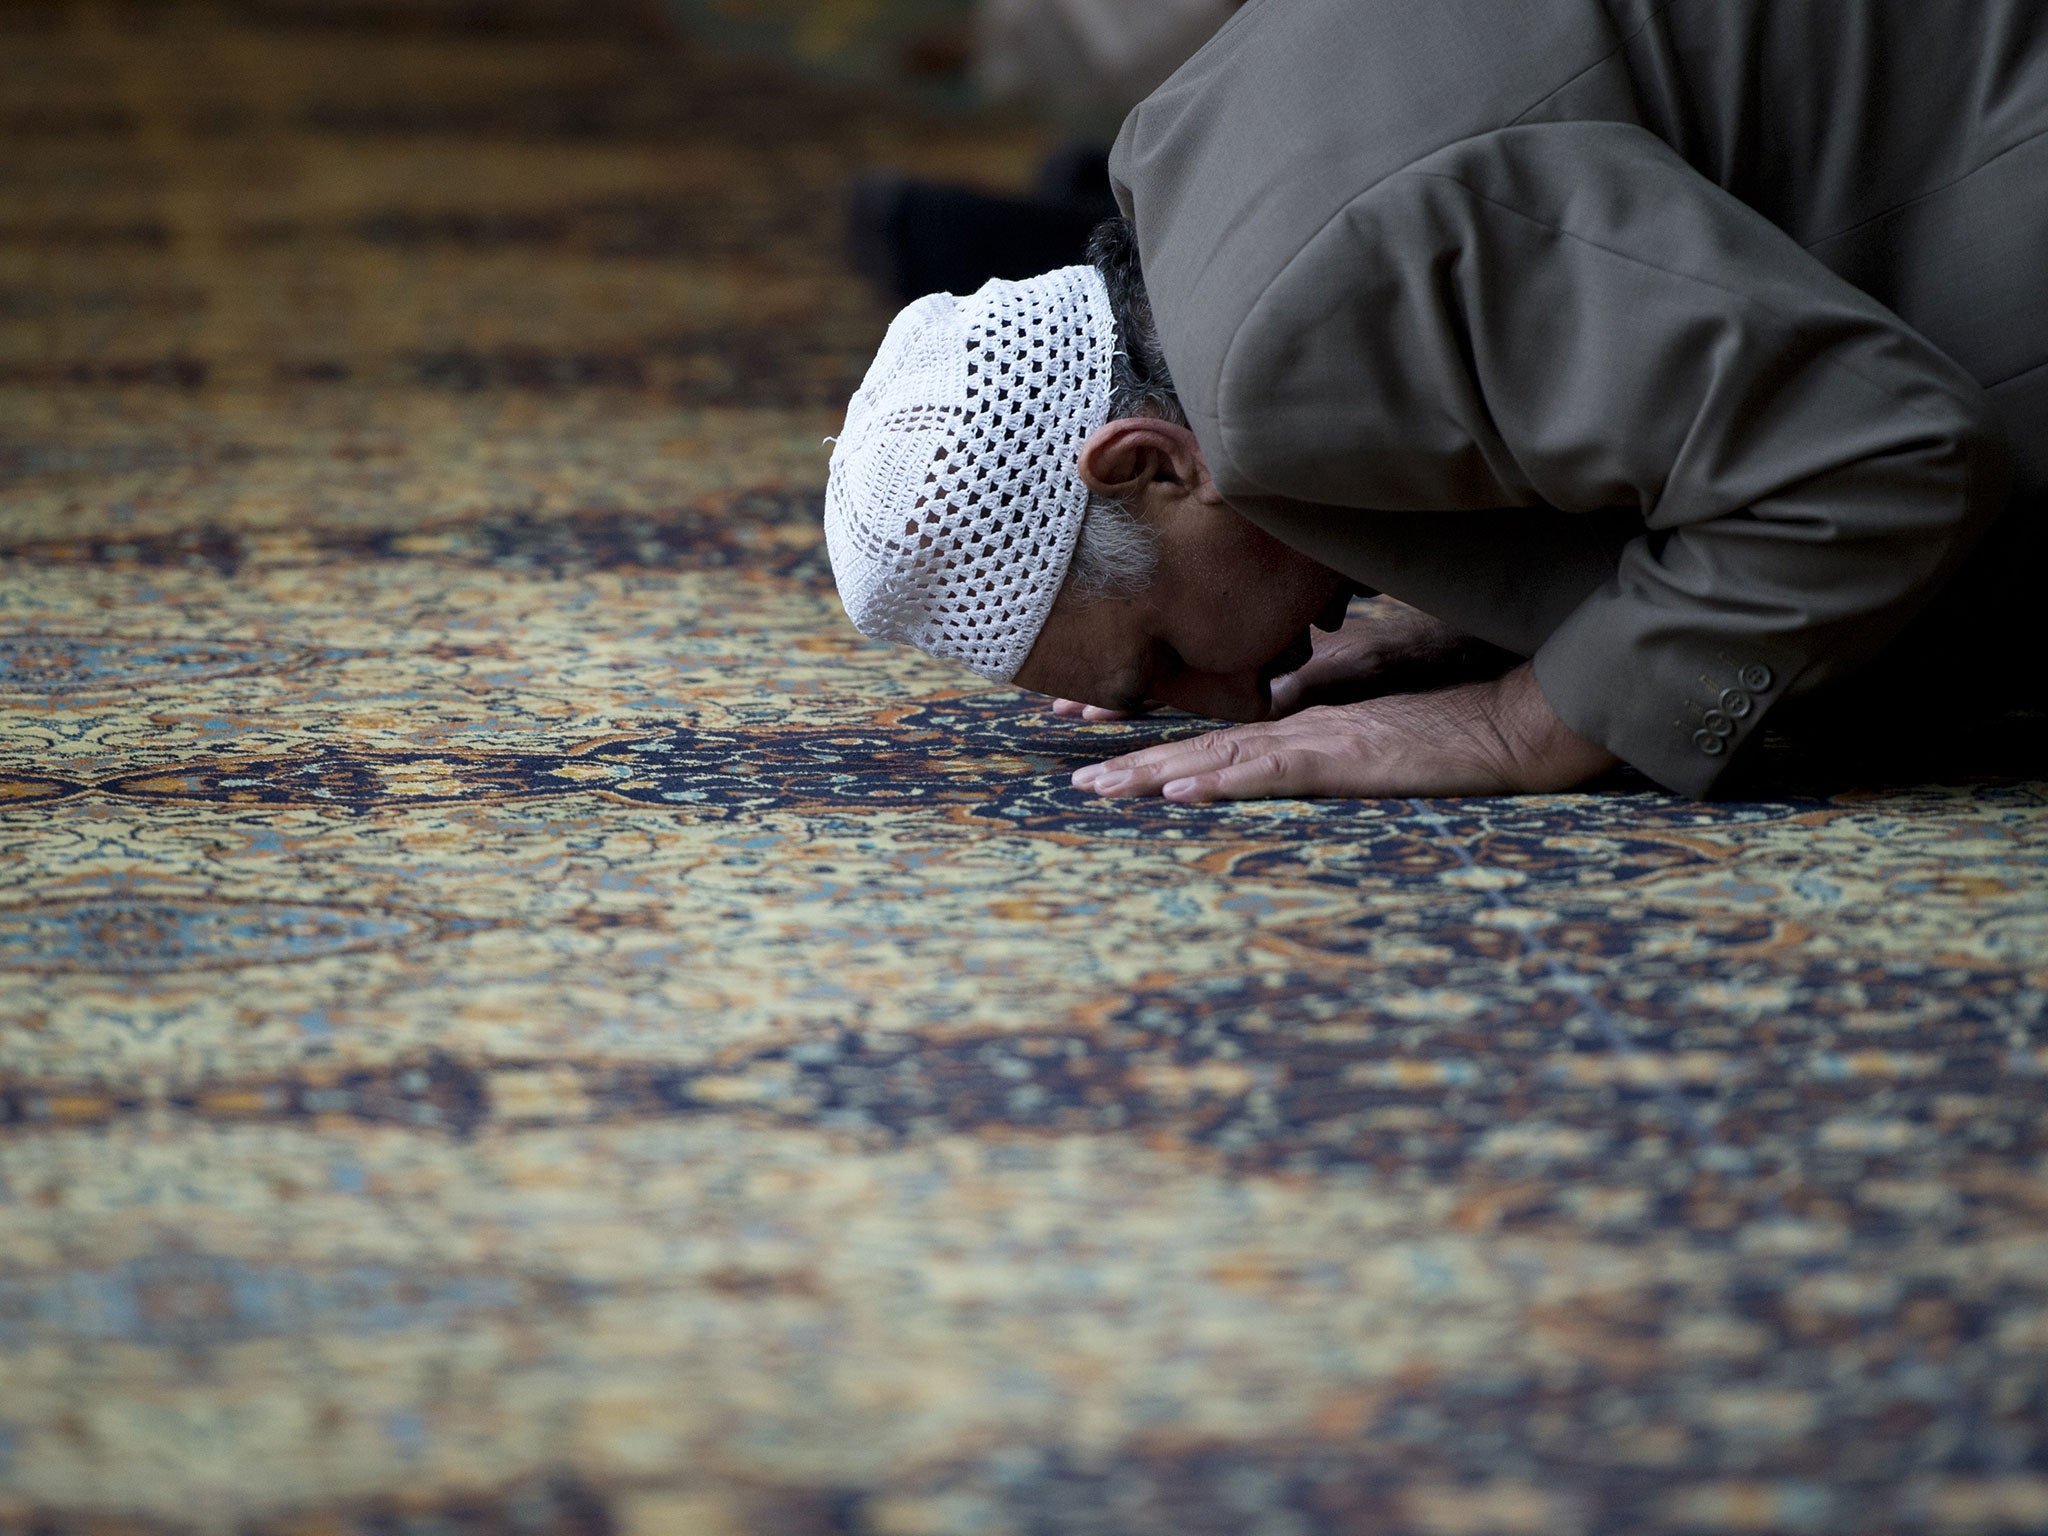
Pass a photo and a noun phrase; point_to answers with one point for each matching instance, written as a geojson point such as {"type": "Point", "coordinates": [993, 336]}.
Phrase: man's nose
{"type": "Point", "coordinates": [1236, 696]}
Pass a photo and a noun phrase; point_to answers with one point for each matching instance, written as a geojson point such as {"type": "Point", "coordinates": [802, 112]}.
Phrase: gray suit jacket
{"type": "Point", "coordinates": [1686, 346]}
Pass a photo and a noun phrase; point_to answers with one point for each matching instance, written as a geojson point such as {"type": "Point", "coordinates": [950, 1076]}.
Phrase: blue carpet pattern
{"type": "Point", "coordinates": [514, 1018]}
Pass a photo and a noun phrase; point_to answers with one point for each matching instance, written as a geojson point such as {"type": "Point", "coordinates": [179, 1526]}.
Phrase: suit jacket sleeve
{"type": "Point", "coordinates": [1568, 316]}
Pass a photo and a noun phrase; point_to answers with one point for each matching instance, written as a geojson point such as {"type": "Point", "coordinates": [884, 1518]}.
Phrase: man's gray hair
{"type": "Point", "coordinates": [1117, 554]}
{"type": "Point", "coordinates": [1140, 383]}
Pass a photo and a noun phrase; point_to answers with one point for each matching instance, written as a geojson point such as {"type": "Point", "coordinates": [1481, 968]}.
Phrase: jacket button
{"type": "Point", "coordinates": [1735, 703]}
{"type": "Point", "coordinates": [1718, 723]}
{"type": "Point", "coordinates": [1709, 743]}
{"type": "Point", "coordinates": [1756, 677]}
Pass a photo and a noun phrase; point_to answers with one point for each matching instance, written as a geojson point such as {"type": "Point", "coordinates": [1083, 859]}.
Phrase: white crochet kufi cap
{"type": "Point", "coordinates": [955, 499]}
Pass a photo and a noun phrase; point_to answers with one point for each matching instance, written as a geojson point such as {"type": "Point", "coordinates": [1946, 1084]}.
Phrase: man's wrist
{"type": "Point", "coordinates": [1545, 754]}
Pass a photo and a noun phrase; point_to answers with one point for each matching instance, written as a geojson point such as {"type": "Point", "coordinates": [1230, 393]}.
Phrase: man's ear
{"type": "Point", "coordinates": [1123, 457]}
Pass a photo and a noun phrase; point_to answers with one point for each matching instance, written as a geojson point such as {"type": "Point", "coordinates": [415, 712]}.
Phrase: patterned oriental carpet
{"type": "Point", "coordinates": [513, 1018]}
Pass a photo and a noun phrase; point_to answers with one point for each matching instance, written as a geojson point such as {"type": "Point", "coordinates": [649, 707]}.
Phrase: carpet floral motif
{"type": "Point", "coordinates": [514, 1018]}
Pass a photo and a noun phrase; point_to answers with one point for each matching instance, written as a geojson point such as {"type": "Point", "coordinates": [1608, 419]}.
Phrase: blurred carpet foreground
{"type": "Point", "coordinates": [512, 1018]}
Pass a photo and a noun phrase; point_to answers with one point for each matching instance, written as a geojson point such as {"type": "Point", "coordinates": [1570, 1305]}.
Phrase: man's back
{"type": "Point", "coordinates": [1435, 278]}
{"type": "Point", "coordinates": [1894, 139]}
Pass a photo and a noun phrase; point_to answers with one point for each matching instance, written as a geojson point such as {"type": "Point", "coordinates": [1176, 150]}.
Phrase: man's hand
{"type": "Point", "coordinates": [1384, 647]}
{"type": "Point", "coordinates": [1093, 714]}
{"type": "Point", "coordinates": [1490, 738]}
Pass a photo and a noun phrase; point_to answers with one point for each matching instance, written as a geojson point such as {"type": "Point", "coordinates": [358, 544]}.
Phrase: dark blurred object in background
{"type": "Point", "coordinates": [1077, 65]}
{"type": "Point", "coordinates": [912, 237]}
{"type": "Point", "coordinates": [1085, 62]}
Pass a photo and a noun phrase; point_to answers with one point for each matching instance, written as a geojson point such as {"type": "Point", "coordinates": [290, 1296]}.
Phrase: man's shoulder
{"type": "Point", "coordinates": [1299, 108]}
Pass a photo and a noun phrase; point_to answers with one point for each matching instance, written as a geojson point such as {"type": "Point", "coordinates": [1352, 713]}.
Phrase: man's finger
{"type": "Point", "coordinates": [1289, 689]}
{"type": "Point", "coordinates": [1143, 772]}
{"type": "Point", "coordinates": [1146, 772]}
{"type": "Point", "coordinates": [1269, 774]}
{"type": "Point", "coordinates": [1093, 714]}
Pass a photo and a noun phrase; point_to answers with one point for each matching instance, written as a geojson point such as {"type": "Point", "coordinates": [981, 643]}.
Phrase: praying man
{"type": "Point", "coordinates": [1688, 356]}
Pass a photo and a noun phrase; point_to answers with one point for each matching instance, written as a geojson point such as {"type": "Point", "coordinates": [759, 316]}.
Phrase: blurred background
{"type": "Point", "coordinates": [327, 176]}
{"type": "Point", "coordinates": [514, 1018]}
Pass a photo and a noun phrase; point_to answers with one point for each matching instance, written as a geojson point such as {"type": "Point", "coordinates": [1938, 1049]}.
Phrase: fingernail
{"type": "Point", "coordinates": [1083, 777]}
{"type": "Point", "coordinates": [1110, 781]}
{"type": "Point", "coordinates": [1178, 788]}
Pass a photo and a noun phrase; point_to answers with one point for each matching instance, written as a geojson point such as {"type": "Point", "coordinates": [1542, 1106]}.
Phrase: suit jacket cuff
{"type": "Point", "coordinates": [1676, 703]}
